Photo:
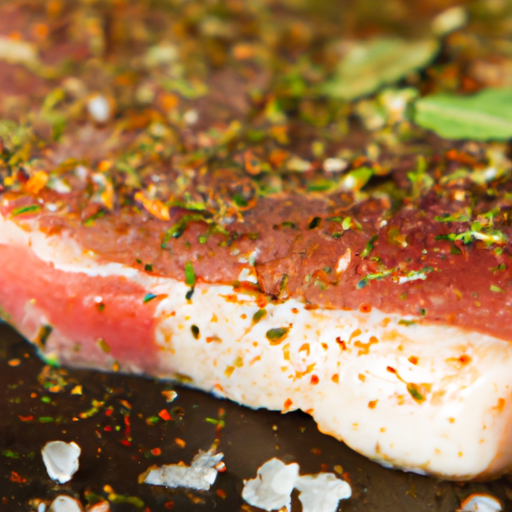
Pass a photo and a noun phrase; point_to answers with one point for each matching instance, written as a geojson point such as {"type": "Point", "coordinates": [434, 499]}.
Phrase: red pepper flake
{"type": "Point", "coordinates": [314, 380]}
{"type": "Point", "coordinates": [164, 414]}
{"type": "Point", "coordinates": [126, 442]}
{"type": "Point", "coordinates": [108, 428]}
{"type": "Point", "coordinates": [14, 362]}
{"type": "Point", "coordinates": [372, 404]}
{"type": "Point", "coordinates": [26, 418]}
{"type": "Point", "coordinates": [156, 452]}
{"type": "Point", "coordinates": [347, 478]}
{"type": "Point", "coordinates": [169, 505]}
{"type": "Point", "coordinates": [108, 412]}
{"type": "Point", "coordinates": [287, 405]}
{"type": "Point", "coordinates": [341, 343]}
{"type": "Point", "coordinates": [390, 369]}
{"type": "Point", "coordinates": [17, 479]}
{"type": "Point", "coordinates": [221, 493]}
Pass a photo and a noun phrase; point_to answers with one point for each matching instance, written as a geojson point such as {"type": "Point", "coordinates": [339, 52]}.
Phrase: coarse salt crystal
{"type": "Point", "coordinates": [65, 504]}
{"type": "Point", "coordinates": [201, 474]}
{"type": "Point", "coordinates": [61, 460]}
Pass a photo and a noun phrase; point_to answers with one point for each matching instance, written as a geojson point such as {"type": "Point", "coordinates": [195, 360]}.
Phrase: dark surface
{"type": "Point", "coordinates": [248, 439]}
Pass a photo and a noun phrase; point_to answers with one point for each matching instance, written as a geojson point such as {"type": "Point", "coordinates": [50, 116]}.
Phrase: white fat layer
{"type": "Point", "coordinates": [61, 460]}
{"type": "Point", "coordinates": [445, 407]}
{"type": "Point", "coordinates": [273, 485]}
{"type": "Point", "coordinates": [201, 474]}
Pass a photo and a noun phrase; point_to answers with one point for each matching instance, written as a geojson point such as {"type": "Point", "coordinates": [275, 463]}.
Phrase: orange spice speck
{"type": "Point", "coordinates": [365, 308]}
{"type": "Point", "coordinates": [314, 379]}
{"type": "Point", "coordinates": [180, 442]}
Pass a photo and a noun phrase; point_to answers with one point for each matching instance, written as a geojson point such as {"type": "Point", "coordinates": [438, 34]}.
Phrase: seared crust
{"type": "Point", "coordinates": [208, 177]}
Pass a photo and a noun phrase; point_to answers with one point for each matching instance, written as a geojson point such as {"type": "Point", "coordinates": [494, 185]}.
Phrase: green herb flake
{"type": "Point", "coordinates": [46, 419]}
{"type": "Point", "coordinates": [213, 421]}
{"type": "Point", "coordinates": [195, 332]}
{"type": "Point", "coordinates": [276, 335]}
{"type": "Point", "coordinates": [105, 347]}
{"type": "Point", "coordinates": [407, 323]}
{"type": "Point", "coordinates": [369, 247]}
{"type": "Point", "coordinates": [347, 222]}
{"type": "Point", "coordinates": [148, 297]}
{"type": "Point", "coordinates": [415, 392]}
{"type": "Point", "coordinates": [190, 275]}
{"type": "Point", "coordinates": [148, 267]}
{"type": "Point", "coordinates": [239, 200]}
{"type": "Point", "coordinates": [315, 222]}
{"type": "Point", "coordinates": [259, 315]}
{"type": "Point", "coordinates": [10, 454]}
{"type": "Point", "coordinates": [25, 209]}
{"type": "Point", "coordinates": [496, 289]}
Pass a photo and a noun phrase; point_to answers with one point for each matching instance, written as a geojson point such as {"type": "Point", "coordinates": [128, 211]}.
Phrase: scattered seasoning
{"type": "Point", "coordinates": [33, 208]}
{"type": "Point", "coordinates": [103, 345]}
{"type": "Point", "coordinates": [315, 223]}
{"type": "Point", "coordinates": [277, 335]}
{"type": "Point", "coordinates": [148, 297]}
{"type": "Point", "coordinates": [369, 247]}
{"type": "Point", "coordinates": [415, 393]}
{"type": "Point", "coordinates": [195, 331]}
{"type": "Point", "coordinates": [43, 334]}
{"type": "Point", "coordinates": [496, 289]}
{"type": "Point", "coordinates": [164, 415]}
{"type": "Point", "coordinates": [259, 315]}
{"type": "Point", "coordinates": [190, 275]}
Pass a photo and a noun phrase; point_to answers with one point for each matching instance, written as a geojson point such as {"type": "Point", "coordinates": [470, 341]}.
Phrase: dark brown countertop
{"type": "Point", "coordinates": [34, 413]}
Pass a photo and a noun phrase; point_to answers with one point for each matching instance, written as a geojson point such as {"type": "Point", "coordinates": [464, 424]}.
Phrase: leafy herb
{"type": "Point", "coordinates": [148, 267]}
{"type": "Point", "coordinates": [496, 289]}
{"type": "Point", "coordinates": [486, 115]}
{"type": "Point", "coordinates": [148, 297]}
{"type": "Point", "coordinates": [371, 64]}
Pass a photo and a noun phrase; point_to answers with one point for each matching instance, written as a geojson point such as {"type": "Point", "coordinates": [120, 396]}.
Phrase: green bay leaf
{"type": "Point", "coordinates": [486, 115]}
{"type": "Point", "coordinates": [369, 65]}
